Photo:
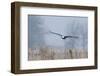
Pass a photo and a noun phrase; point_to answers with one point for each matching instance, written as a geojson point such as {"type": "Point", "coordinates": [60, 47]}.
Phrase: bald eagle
{"type": "Point", "coordinates": [62, 36]}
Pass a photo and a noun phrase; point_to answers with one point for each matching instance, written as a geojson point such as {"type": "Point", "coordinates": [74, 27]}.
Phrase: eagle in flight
{"type": "Point", "coordinates": [62, 36]}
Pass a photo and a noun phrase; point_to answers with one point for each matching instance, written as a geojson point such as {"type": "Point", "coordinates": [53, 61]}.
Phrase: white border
{"type": "Point", "coordinates": [25, 64]}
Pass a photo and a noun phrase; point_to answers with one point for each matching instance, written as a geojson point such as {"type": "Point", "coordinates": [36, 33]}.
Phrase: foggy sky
{"type": "Point", "coordinates": [39, 27]}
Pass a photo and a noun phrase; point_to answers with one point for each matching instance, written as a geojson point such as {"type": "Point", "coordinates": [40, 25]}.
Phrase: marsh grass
{"type": "Point", "coordinates": [46, 53]}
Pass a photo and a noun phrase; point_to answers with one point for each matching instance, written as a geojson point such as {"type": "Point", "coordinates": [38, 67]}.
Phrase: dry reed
{"type": "Point", "coordinates": [46, 53]}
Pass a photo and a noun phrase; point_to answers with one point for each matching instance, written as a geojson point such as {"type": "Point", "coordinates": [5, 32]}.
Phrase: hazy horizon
{"type": "Point", "coordinates": [39, 27]}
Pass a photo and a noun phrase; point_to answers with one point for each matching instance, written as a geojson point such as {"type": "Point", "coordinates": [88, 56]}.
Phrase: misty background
{"type": "Point", "coordinates": [39, 35]}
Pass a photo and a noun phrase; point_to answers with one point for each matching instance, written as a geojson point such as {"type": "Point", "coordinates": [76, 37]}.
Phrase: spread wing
{"type": "Point", "coordinates": [56, 33]}
{"type": "Point", "coordinates": [71, 37]}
